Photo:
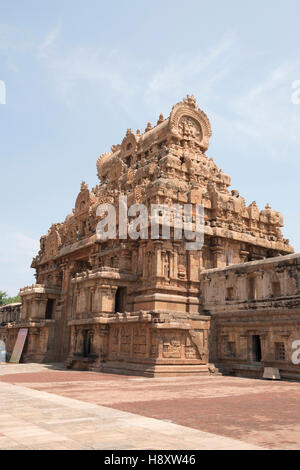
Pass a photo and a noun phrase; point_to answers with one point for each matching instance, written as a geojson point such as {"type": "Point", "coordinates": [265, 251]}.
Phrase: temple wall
{"type": "Point", "coordinates": [255, 309]}
{"type": "Point", "coordinates": [10, 313]}
{"type": "Point", "coordinates": [135, 345]}
{"type": "Point", "coordinates": [151, 306]}
{"type": "Point", "coordinates": [107, 335]}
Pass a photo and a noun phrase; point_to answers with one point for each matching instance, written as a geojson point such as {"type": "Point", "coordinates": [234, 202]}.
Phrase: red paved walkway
{"type": "Point", "coordinates": [259, 412]}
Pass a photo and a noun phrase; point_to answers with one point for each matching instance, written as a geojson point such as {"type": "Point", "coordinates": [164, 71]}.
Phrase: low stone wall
{"type": "Point", "coordinates": [135, 345]}
{"type": "Point", "coordinates": [10, 313]}
{"type": "Point", "coordinates": [255, 309]}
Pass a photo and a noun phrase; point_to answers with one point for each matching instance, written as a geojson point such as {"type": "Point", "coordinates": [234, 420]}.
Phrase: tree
{"type": "Point", "coordinates": [12, 300]}
{"type": "Point", "coordinates": [3, 297]}
{"type": "Point", "coordinates": [4, 300]}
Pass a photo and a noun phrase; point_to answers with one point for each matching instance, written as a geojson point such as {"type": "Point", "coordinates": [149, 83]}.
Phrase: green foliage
{"type": "Point", "coordinates": [12, 300]}
{"type": "Point", "coordinates": [3, 296]}
{"type": "Point", "coordinates": [4, 300]}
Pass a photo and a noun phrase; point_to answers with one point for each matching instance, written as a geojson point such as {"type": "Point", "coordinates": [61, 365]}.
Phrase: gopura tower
{"type": "Point", "coordinates": [133, 306]}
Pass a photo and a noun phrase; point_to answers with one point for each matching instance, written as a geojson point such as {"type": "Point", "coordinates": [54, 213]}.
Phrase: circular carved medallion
{"type": "Point", "coordinates": [189, 127]}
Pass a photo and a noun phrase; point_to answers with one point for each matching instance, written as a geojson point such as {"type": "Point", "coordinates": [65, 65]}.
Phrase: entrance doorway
{"type": "Point", "coordinates": [87, 343]}
{"type": "Point", "coordinates": [49, 309]}
{"type": "Point", "coordinates": [120, 302]}
{"type": "Point", "coordinates": [256, 348]}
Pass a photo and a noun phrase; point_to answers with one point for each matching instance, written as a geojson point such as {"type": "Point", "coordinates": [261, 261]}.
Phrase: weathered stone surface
{"type": "Point", "coordinates": [271, 373]}
{"type": "Point", "coordinates": [255, 309]}
{"type": "Point", "coordinates": [147, 306]}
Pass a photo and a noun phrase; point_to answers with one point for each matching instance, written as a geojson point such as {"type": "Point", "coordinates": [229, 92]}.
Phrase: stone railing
{"type": "Point", "coordinates": [39, 289]}
{"type": "Point", "coordinates": [270, 281]}
{"type": "Point", "coordinates": [10, 313]}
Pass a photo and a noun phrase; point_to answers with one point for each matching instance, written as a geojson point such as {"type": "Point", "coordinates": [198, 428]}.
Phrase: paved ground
{"type": "Point", "coordinates": [43, 407]}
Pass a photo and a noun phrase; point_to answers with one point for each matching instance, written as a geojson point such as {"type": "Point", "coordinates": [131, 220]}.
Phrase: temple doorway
{"type": "Point", "coordinates": [120, 302]}
{"type": "Point", "coordinates": [87, 343]}
{"type": "Point", "coordinates": [256, 348]}
{"type": "Point", "coordinates": [49, 309]}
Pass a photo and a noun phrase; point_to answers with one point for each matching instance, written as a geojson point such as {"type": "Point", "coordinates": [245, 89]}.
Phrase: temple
{"type": "Point", "coordinates": [150, 306]}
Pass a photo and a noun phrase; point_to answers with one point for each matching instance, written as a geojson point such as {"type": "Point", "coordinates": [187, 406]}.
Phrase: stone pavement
{"type": "Point", "coordinates": [46, 407]}
{"type": "Point", "coordinates": [30, 419]}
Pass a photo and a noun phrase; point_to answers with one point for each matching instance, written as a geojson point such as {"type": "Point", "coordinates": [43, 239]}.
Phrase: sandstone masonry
{"type": "Point", "coordinates": [151, 307]}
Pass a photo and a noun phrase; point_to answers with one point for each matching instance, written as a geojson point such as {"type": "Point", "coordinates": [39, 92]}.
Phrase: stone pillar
{"type": "Point", "coordinates": [91, 310]}
{"type": "Point", "coordinates": [264, 348]}
{"type": "Point", "coordinates": [242, 293]}
{"type": "Point", "coordinates": [194, 265]}
{"type": "Point", "coordinates": [41, 308]}
{"type": "Point", "coordinates": [260, 285]}
{"type": "Point", "coordinates": [63, 331]}
{"type": "Point", "coordinates": [104, 340]}
{"type": "Point", "coordinates": [105, 301]}
{"type": "Point", "coordinates": [157, 261]}
{"type": "Point", "coordinates": [175, 260]}
{"type": "Point", "coordinates": [243, 347]}
{"type": "Point", "coordinates": [244, 256]}
{"type": "Point", "coordinates": [125, 260]}
{"type": "Point", "coordinates": [218, 255]}
{"type": "Point", "coordinates": [38, 308]}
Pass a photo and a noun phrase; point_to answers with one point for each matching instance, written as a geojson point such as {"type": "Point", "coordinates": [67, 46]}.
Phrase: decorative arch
{"type": "Point", "coordinates": [190, 123]}
{"type": "Point", "coordinates": [52, 241]}
{"type": "Point", "coordinates": [128, 148]}
{"type": "Point", "coordinates": [83, 201]}
{"type": "Point", "coordinates": [103, 164]}
{"type": "Point", "coordinates": [129, 142]}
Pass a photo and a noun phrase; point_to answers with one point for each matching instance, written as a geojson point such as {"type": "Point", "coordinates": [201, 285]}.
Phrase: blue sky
{"type": "Point", "coordinates": [78, 74]}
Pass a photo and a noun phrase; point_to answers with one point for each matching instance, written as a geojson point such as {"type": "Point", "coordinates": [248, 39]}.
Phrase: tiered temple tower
{"type": "Point", "coordinates": [134, 306]}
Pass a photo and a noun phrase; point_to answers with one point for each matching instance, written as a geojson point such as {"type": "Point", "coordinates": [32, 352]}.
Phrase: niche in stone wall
{"type": "Point", "coordinates": [276, 289]}
{"type": "Point", "coordinates": [121, 297]}
{"type": "Point", "coordinates": [50, 309]}
{"type": "Point", "coordinates": [252, 292]}
{"type": "Point", "coordinates": [230, 293]}
{"type": "Point", "coordinates": [229, 349]}
{"type": "Point", "coordinates": [256, 351]}
{"type": "Point", "coordinates": [279, 351]}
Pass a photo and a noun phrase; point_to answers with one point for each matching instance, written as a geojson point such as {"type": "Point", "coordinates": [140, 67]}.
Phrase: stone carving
{"type": "Point", "coordinates": [146, 304]}
{"type": "Point", "coordinates": [139, 341]}
{"type": "Point", "coordinates": [196, 337]}
{"type": "Point", "coordinates": [114, 339]}
{"type": "Point", "coordinates": [190, 128]}
{"type": "Point", "coordinates": [52, 241]}
{"type": "Point", "coordinates": [172, 346]}
{"type": "Point", "coordinates": [125, 333]}
{"type": "Point", "coordinates": [190, 350]}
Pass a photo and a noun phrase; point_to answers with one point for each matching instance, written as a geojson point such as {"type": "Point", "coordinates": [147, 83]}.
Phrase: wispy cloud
{"type": "Point", "coordinates": [13, 43]}
{"type": "Point", "coordinates": [265, 113]}
{"type": "Point", "coordinates": [49, 42]}
{"type": "Point", "coordinates": [77, 68]}
{"type": "Point", "coordinates": [128, 80]}
{"type": "Point", "coordinates": [196, 73]}
{"type": "Point", "coordinates": [29, 246]}
{"type": "Point", "coordinates": [242, 104]}
{"type": "Point", "coordinates": [13, 39]}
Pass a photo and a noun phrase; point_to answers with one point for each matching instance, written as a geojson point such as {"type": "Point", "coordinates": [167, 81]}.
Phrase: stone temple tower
{"type": "Point", "coordinates": [133, 305]}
